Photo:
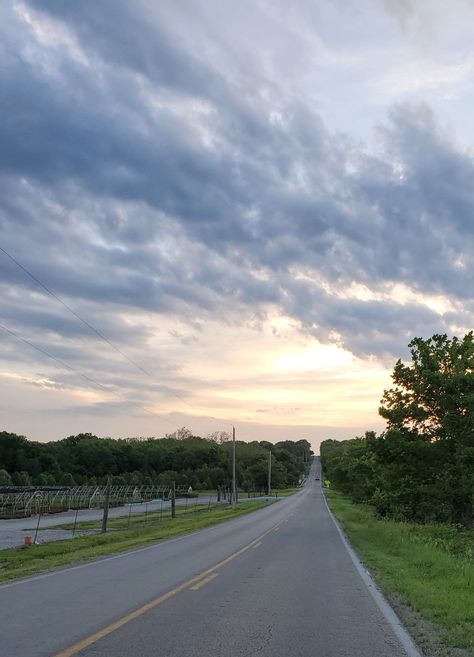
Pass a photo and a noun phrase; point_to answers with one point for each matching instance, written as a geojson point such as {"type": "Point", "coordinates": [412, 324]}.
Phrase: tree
{"type": "Point", "coordinates": [180, 457]}
{"type": "Point", "coordinates": [45, 479]}
{"type": "Point", "coordinates": [180, 434]}
{"type": "Point", "coordinates": [5, 479]}
{"type": "Point", "coordinates": [432, 405]}
{"type": "Point", "coordinates": [21, 478]}
{"type": "Point", "coordinates": [219, 437]}
{"type": "Point", "coordinates": [67, 480]}
{"type": "Point", "coordinates": [434, 395]}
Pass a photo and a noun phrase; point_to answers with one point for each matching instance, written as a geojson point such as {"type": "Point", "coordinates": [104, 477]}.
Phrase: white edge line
{"type": "Point", "coordinates": [392, 618]}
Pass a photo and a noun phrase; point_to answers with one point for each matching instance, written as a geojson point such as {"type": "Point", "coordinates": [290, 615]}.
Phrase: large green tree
{"type": "Point", "coordinates": [421, 468]}
{"type": "Point", "coordinates": [430, 418]}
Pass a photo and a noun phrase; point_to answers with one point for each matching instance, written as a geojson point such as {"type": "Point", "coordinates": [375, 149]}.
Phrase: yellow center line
{"type": "Point", "coordinates": [93, 638]}
{"type": "Point", "coordinates": [207, 579]}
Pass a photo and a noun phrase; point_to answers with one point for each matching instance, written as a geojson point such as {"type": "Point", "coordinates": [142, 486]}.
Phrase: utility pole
{"type": "Point", "coordinates": [173, 500]}
{"type": "Point", "coordinates": [105, 516]}
{"type": "Point", "coordinates": [270, 472]}
{"type": "Point", "coordinates": [234, 488]}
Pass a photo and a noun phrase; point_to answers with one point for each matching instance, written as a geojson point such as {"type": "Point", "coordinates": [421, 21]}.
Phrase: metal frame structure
{"type": "Point", "coordinates": [26, 501]}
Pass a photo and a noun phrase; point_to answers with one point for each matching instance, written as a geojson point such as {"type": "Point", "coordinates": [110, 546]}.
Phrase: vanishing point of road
{"type": "Point", "coordinates": [278, 582]}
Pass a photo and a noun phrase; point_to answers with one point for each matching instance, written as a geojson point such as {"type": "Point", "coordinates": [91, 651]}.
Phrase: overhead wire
{"type": "Point", "coordinates": [101, 336]}
{"type": "Point", "coordinates": [63, 363]}
{"type": "Point", "coordinates": [94, 329]}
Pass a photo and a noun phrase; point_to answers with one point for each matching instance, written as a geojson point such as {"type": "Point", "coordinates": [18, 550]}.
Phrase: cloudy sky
{"type": "Point", "coordinates": [257, 203]}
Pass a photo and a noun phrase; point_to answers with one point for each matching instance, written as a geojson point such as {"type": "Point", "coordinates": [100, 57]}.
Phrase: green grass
{"type": "Point", "coordinates": [139, 519]}
{"type": "Point", "coordinates": [429, 567]}
{"type": "Point", "coordinates": [21, 562]}
{"type": "Point", "coordinates": [285, 492]}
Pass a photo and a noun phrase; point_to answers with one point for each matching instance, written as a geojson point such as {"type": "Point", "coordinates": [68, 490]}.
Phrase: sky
{"type": "Point", "coordinates": [244, 211]}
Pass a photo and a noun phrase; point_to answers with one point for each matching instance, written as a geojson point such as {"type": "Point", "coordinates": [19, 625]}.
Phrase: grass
{"type": "Point", "coordinates": [430, 568]}
{"type": "Point", "coordinates": [285, 492]}
{"type": "Point", "coordinates": [21, 562]}
{"type": "Point", "coordinates": [139, 519]}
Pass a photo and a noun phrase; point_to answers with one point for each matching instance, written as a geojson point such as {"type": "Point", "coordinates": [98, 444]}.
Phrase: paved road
{"type": "Point", "coordinates": [278, 582]}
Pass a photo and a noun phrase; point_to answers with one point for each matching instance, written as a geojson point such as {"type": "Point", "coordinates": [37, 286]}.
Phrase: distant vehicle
{"type": "Point", "coordinates": [316, 478]}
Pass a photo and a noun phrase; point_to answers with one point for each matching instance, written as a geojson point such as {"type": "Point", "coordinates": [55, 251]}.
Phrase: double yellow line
{"type": "Point", "coordinates": [193, 584]}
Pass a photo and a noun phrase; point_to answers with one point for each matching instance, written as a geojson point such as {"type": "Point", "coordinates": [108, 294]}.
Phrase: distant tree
{"type": "Point", "coordinates": [350, 466]}
{"type": "Point", "coordinates": [67, 479]}
{"type": "Point", "coordinates": [21, 478]}
{"type": "Point", "coordinates": [167, 478]}
{"type": "Point", "coordinates": [180, 434]}
{"type": "Point", "coordinates": [219, 437]}
{"type": "Point", "coordinates": [180, 457]}
{"type": "Point", "coordinates": [45, 479]}
{"type": "Point", "coordinates": [134, 478]}
{"type": "Point", "coordinates": [5, 479]}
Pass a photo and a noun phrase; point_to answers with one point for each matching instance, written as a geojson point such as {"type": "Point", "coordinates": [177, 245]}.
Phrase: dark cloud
{"type": "Point", "coordinates": [401, 10]}
{"type": "Point", "coordinates": [136, 175]}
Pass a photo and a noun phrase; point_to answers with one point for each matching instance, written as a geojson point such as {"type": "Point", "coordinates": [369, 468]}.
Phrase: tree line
{"type": "Point", "coordinates": [422, 467]}
{"type": "Point", "coordinates": [203, 463]}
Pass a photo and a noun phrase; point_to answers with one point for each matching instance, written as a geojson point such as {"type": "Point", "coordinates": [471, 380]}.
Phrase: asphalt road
{"type": "Point", "coordinates": [278, 582]}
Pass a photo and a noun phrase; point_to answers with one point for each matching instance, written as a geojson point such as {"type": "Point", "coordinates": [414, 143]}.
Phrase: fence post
{"type": "Point", "coordinates": [37, 526]}
{"type": "Point", "coordinates": [105, 515]}
{"type": "Point", "coordinates": [173, 500]}
{"type": "Point", "coordinates": [75, 522]}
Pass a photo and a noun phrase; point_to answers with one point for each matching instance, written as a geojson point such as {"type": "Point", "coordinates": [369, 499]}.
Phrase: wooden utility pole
{"type": "Point", "coordinates": [234, 487]}
{"type": "Point", "coordinates": [173, 500]}
{"type": "Point", "coordinates": [270, 472]}
{"type": "Point", "coordinates": [105, 516]}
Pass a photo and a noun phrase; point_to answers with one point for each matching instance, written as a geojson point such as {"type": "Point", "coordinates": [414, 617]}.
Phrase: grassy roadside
{"type": "Point", "coordinates": [140, 519]}
{"type": "Point", "coordinates": [21, 562]}
{"type": "Point", "coordinates": [137, 520]}
{"type": "Point", "coordinates": [427, 568]}
{"type": "Point", "coordinates": [285, 492]}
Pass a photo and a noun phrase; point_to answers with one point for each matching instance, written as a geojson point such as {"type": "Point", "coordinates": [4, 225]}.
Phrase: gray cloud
{"type": "Point", "coordinates": [140, 177]}
{"type": "Point", "coordinates": [402, 10]}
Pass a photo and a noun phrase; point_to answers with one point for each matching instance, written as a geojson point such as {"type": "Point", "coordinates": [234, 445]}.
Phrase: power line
{"type": "Point", "coordinates": [92, 328]}
{"type": "Point", "coordinates": [62, 363]}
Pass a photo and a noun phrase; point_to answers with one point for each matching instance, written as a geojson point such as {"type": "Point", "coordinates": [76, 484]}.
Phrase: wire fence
{"type": "Point", "coordinates": [59, 513]}
{"type": "Point", "coordinates": [26, 501]}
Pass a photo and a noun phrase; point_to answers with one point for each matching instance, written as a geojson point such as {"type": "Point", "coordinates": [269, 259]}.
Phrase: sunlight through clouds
{"type": "Point", "coordinates": [260, 204]}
